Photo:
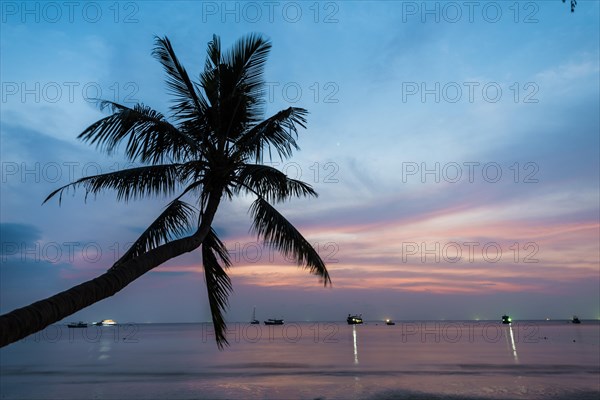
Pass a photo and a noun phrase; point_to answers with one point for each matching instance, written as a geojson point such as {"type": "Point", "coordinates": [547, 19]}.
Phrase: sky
{"type": "Point", "coordinates": [454, 146]}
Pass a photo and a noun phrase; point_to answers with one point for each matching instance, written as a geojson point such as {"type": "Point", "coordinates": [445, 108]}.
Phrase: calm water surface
{"type": "Point", "coordinates": [420, 360]}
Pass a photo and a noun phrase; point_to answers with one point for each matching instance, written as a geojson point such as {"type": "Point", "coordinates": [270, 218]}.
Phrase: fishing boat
{"type": "Point", "coordinates": [254, 321]}
{"type": "Point", "coordinates": [506, 319]}
{"type": "Point", "coordinates": [575, 320]}
{"type": "Point", "coordinates": [354, 319]}
{"type": "Point", "coordinates": [389, 322]}
{"type": "Point", "coordinates": [79, 324]}
{"type": "Point", "coordinates": [274, 321]}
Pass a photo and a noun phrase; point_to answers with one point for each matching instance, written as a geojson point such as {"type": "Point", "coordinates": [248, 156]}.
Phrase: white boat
{"type": "Point", "coordinates": [106, 322]}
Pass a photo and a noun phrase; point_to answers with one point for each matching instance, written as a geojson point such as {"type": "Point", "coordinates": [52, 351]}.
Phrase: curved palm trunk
{"type": "Point", "coordinates": [24, 321]}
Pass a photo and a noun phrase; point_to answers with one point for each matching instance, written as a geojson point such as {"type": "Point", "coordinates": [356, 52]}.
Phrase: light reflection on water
{"type": "Point", "coordinates": [512, 344]}
{"type": "Point", "coordinates": [355, 346]}
{"type": "Point", "coordinates": [307, 360]}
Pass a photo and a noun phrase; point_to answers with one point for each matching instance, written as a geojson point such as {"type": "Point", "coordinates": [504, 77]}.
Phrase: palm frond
{"type": "Point", "coordinates": [173, 222]}
{"type": "Point", "coordinates": [132, 183]}
{"type": "Point", "coordinates": [279, 132]}
{"type": "Point", "coordinates": [149, 136]}
{"type": "Point", "coordinates": [218, 284]}
{"type": "Point", "coordinates": [270, 183]}
{"type": "Point", "coordinates": [210, 82]}
{"type": "Point", "coordinates": [209, 77]}
{"type": "Point", "coordinates": [247, 59]}
{"type": "Point", "coordinates": [193, 170]}
{"type": "Point", "coordinates": [189, 103]}
{"type": "Point", "coordinates": [245, 84]}
{"type": "Point", "coordinates": [279, 232]}
{"type": "Point", "coordinates": [213, 54]}
{"type": "Point", "coordinates": [234, 85]}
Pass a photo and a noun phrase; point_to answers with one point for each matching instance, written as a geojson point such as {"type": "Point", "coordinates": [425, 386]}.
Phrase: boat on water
{"type": "Point", "coordinates": [354, 319]}
{"type": "Point", "coordinates": [274, 321]}
{"type": "Point", "coordinates": [79, 324]}
{"type": "Point", "coordinates": [254, 321]}
{"type": "Point", "coordinates": [506, 319]}
{"type": "Point", "coordinates": [106, 322]}
{"type": "Point", "coordinates": [575, 320]}
{"type": "Point", "coordinates": [389, 322]}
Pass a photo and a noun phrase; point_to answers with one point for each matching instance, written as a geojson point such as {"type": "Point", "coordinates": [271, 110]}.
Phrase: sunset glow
{"type": "Point", "coordinates": [428, 208]}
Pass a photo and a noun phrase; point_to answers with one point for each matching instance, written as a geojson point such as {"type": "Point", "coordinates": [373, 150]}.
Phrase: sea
{"type": "Point", "coordinates": [308, 360]}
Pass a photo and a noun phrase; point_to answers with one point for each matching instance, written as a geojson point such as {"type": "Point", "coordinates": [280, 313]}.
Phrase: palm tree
{"type": "Point", "coordinates": [211, 148]}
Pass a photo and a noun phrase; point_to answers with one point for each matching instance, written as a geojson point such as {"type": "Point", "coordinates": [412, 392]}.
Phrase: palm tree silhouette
{"type": "Point", "coordinates": [213, 149]}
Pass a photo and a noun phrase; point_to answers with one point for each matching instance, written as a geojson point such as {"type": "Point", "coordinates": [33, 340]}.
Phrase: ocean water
{"type": "Point", "coordinates": [324, 360]}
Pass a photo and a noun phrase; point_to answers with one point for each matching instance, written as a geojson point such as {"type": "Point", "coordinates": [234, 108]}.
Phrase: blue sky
{"type": "Point", "coordinates": [436, 132]}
